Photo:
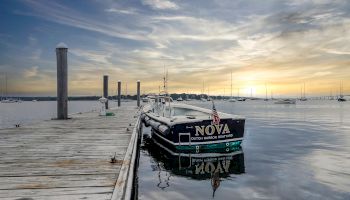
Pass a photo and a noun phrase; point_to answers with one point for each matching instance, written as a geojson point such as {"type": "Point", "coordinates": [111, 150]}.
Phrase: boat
{"type": "Point", "coordinates": [341, 96]}
{"type": "Point", "coordinates": [302, 94]}
{"type": "Point", "coordinates": [232, 100]}
{"type": "Point", "coordinates": [183, 127]}
{"type": "Point", "coordinates": [7, 100]}
{"type": "Point", "coordinates": [285, 101]}
{"type": "Point", "coordinates": [145, 99]}
{"type": "Point", "coordinates": [179, 99]}
{"type": "Point", "coordinates": [241, 99]}
{"type": "Point", "coordinates": [266, 99]}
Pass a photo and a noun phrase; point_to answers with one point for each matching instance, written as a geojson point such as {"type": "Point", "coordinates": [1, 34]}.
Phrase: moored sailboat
{"type": "Point", "coordinates": [341, 96]}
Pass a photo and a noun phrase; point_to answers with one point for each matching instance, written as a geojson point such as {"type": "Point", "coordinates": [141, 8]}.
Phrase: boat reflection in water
{"type": "Point", "coordinates": [211, 166]}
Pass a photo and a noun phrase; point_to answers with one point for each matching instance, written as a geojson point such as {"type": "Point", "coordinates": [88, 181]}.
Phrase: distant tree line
{"type": "Point", "coordinates": [132, 97]}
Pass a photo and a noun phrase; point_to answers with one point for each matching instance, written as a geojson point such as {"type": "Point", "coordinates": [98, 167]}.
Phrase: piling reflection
{"type": "Point", "coordinates": [213, 166]}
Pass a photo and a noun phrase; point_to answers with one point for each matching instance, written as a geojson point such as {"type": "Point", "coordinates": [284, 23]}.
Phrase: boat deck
{"type": "Point", "coordinates": [66, 159]}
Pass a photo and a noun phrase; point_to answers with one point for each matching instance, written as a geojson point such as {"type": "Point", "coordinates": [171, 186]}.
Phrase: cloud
{"type": "Point", "coordinates": [121, 11]}
{"type": "Point", "coordinates": [99, 57]}
{"type": "Point", "coordinates": [53, 11]}
{"type": "Point", "coordinates": [31, 72]}
{"type": "Point", "coordinates": [161, 4]}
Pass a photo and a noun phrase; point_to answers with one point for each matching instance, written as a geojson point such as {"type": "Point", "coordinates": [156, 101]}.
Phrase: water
{"type": "Point", "coordinates": [289, 152]}
{"type": "Point", "coordinates": [31, 112]}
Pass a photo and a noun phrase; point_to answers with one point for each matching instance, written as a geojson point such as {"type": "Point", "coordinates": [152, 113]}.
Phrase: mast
{"type": "Point", "coordinates": [231, 84]}
{"type": "Point", "coordinates": [265, 91]}
{"type": "Point", "coordinates": [301, 92]}
{"type": "Point", "coordinates": [6, 84]}
{"type": "Point", "coordinates": [1, 87]}
{"type": "Point", "coordinates": [271, 94]}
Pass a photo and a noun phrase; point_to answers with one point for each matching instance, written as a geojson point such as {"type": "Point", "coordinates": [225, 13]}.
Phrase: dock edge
{"type": "Point", "coordinates": [124, 184]}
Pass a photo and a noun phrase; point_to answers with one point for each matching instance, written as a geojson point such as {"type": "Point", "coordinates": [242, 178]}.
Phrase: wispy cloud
{"type": "Point", "coordinates": [161, 4]}
{"type": "Point", "coordinates": [121, 11]}
{"type": "Point", "coordinates": [61, 14]}
{"type": "Point", "coordinates": [31, 72]}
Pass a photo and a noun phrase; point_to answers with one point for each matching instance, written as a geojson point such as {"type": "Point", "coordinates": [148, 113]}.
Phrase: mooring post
{"type": "Point", "coordinates": [62, 85]}
{"type": "Point", "coordinates": [105, 89]}
{"type": "Point", "coordinates": [119, 92]}
{"type": "Point", "coordinates": [138, 93]}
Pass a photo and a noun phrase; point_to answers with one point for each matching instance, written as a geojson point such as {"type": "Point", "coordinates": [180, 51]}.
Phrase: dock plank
{"type": "Point", "coordinates": [65, 159]}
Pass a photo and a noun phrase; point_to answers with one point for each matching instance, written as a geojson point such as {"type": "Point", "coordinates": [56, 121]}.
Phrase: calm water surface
{"type": "Point", "coordinates": [289, 152]}
{"type": "Point", "coordinates": [31, 112]}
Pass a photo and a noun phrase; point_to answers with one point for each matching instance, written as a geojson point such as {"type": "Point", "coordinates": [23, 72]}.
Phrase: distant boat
{"type": "Point", "coordinates": [285, 101]}
{"type": "Point", "coordinates": [266, 99]}
{"type": "Point", "coordinates": [241, 99]}
{"type": "Point", "coordinates": [302, 94]}
{"type": "Point", "coordinates": [232, 100]}
{"type": "Point", "coordinates": [145, 99]}
{"type": "Point", "coordinates": [179, 99]}
{"type": "Point", "coordinates": [341, 96]}
{"type": "Point", "coordinates": [7, 100]}
{"type": "Point", "coordinates": [34, 100]}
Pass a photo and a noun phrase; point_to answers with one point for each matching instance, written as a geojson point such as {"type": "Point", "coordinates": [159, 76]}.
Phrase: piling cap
{"type": "Point", "coordinates": [61, 45]}
{"type": "Point", "coordinates": [103, 100]}
{"type": "Point", "coordinates": [138, 80]}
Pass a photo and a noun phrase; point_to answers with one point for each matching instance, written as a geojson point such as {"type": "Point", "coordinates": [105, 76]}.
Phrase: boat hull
{"type": "Point", "coordinates": [202, 136]}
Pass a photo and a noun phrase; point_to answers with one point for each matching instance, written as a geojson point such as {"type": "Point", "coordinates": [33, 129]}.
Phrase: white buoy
{"type": "Point", "coordinates": [103, 101]}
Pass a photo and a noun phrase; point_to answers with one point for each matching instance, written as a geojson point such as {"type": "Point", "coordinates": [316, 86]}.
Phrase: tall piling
{"type": "Point", "coordinates": [62, 77]}
{"type": "Point", "coordinates": [105, 89]}
{"type": "Point", "coordinates": [119, 92]}
{"type": "Point", "coordinates": [138, 93]}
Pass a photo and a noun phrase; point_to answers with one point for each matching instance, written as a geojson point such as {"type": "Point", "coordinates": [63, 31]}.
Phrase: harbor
{"type": "Point", "coordinates": [175, 100]}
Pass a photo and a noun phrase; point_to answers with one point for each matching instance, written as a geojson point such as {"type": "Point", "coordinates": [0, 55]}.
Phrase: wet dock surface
{"type": "Point", "coordinates": [65, 159]}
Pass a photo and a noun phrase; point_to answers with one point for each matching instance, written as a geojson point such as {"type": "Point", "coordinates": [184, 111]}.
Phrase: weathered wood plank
{"type": "Point", "coordinates": [67, 159]}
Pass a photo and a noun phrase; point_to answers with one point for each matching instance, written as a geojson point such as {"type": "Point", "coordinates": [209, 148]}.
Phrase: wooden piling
{"type": "Point", "coordinates": [62, 85]}
{"type": "Point", "coordinates": [138, 93]}
{"type": "Point", "coordinates": [105, 88]}
{"type": "Point", "coordinates": [119, 92]}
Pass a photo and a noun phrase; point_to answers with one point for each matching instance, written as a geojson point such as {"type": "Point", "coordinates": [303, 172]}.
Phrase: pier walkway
{"type": "Point", "coordinates": [68, 159]}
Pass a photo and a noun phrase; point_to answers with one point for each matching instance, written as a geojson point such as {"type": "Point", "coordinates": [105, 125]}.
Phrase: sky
{"type": "Point", "coordinates": [273, 45]}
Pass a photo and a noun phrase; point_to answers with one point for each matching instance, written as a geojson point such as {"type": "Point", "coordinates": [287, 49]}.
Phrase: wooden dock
{"type": "Point", "coordinates": [68, 159]}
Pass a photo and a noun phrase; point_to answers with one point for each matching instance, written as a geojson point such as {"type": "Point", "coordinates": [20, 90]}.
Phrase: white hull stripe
{"type": "Point", "coordinates": [205, 155]}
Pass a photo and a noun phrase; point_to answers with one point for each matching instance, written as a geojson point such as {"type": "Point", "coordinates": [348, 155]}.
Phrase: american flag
{"type": "Point", "coordinates": [215, 116]}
